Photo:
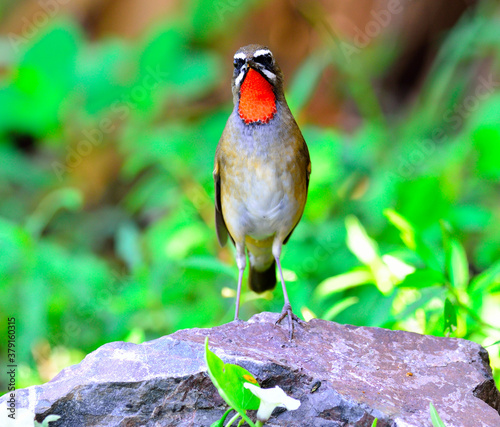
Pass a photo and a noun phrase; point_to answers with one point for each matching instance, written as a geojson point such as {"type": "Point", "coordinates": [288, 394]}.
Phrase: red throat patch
{"type": "Point", "coordinates": [257, 99]}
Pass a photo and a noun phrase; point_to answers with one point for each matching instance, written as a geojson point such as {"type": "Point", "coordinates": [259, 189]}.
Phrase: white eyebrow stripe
{"type": "Point", "coordinates": [262, 52]}
{"type": "Point", "coordinates": [240, 55]}
{"type": "Point", "coordinates": [268, 73]}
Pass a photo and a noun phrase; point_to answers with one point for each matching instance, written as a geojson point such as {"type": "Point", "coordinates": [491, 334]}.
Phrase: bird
{"type": "Point", "coordinates": [261, 173]}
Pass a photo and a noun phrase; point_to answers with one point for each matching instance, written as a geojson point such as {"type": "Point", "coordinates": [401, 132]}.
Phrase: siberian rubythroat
{"type": "Point", "coordinates": [261, 172]}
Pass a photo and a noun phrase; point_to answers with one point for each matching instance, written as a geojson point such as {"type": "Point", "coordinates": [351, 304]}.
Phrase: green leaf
{"type": "Point", "coordinates": [485, 281]}
{"type": "Point", "coordinates": [484, 133]}
{"type": "Point", "coordinates": [374, 424]}
{"type": "Point", "coordinates": [41, 82]}
{"type": "Point", "coordinates": [491, 345]}
{"type": "Point", "coordinates": [423, 278]}
{"type": "Point", "coordinates": [359, 242]}
{"type": "Point", "coordinates": [344, 281]}
{"type": "Point", "coordinates": [436, 420]}
{"type": "Point", "coordinates": [366, 250]}
{"type": "Point", "coordinates": [48, 419]}
{"type": "Point", "coordinates": [427, 295]}
{"type": "Point", "coordinates": [450, 317]}
{"type": "Point", "coordinates": [457, 266]}
{"type": "Point", "coordinates": [339, 307]}
{"type": "Point", "coordinates": [412, 239]}
{"type": "Point", "coordinates": [229, 380]}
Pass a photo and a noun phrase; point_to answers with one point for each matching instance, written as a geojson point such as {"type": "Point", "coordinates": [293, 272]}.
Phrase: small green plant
{"type": "Point", "coordinates": [48, 419]}
{"type": "Point", "coordinates": [24, 417]}
{"type": "Point", "coordinates": [436, 420]}
{"type": "Point", "coordinates": [241, 391]}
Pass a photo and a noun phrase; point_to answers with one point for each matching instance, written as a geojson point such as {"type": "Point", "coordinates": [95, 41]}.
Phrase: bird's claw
{"type": "Point", "coordinates": [287, 311]}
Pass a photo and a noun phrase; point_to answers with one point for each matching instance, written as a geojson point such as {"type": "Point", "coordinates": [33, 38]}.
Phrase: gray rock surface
{"type": "Point", "coordinates": [357, 373]}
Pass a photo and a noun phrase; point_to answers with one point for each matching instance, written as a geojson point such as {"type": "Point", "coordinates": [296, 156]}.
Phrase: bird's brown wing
{"type": "Point", "coordinates": [308, 174]}
{"type": "Point", "coordinates": [220, 224]}
{"type": "Point", "coordinates": [308, 167]}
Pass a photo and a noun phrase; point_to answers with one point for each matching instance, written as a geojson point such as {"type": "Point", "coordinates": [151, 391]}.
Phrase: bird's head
{"type": "Point", "coordinates": [257, 84]}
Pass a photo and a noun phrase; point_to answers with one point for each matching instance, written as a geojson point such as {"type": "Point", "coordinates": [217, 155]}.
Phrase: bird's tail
{"type": "Point", "coordinates": [260, 281]}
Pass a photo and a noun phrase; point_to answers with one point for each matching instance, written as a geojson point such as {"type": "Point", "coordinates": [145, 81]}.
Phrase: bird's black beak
{"type": "Point", "coordinates": [251, 63]}
{"type": "Point", "coordinates": [257, 67]}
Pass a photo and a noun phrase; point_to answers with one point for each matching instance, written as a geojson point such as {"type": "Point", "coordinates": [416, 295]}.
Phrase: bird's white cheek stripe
{"type": "Point", "coordinates": [262, 52]}
{"type": "Point", "coordinates": [238, 80]}
{"type": "Point", "coordinates": [240, 55]}
{"type": "Point", "coordinates": [269, 75]}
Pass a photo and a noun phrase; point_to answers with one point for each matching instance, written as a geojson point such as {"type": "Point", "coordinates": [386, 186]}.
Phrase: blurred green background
{"type": "Point", "coordinates": [110, 112]}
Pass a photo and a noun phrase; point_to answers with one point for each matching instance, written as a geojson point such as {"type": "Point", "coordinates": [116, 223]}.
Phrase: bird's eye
{"type": "Point", "coordinates": [238, 62]}
{"type": "Point", "coordinates": [265, 60]}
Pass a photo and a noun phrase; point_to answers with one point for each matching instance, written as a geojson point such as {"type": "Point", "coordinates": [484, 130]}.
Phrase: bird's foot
{"type": "Point", "coordinates": [287, 311]}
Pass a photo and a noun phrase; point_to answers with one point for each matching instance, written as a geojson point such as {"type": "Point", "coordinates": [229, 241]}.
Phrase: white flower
{"type": "Point", "coordinates": [271, 398]}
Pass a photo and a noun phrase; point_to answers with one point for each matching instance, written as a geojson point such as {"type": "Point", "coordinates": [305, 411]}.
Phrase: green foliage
{"type": "Point", "coordinates": [242, 392]}
{"type": "Point", "coordinates": [220, 423]}
{"type": "Point", "coordinates": [435, 418]}
{"type": "Point", "coordinates": [106, 213]}
{"type": "Point", "coordinates": [229, 380]}
{"type": "Point", "coordinates": [416, 275]}
{"type": "Point", "coordinates": [48, 419]}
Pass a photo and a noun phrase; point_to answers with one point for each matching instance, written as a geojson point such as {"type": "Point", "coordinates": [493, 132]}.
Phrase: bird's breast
{"type": "Point", "coordinates": [260, 195]}
{"type": "Point", "coordinates": [267, 201]}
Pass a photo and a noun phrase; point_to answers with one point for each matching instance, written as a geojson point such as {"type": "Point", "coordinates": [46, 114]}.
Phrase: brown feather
{"type": "Point", "coordinates": [220, 224]}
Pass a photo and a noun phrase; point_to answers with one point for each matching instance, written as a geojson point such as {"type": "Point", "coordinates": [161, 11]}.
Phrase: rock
{"type": "Point", "coordinates": [343, 376]}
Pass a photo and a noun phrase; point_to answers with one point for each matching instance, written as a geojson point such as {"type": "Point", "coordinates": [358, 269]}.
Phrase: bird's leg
{"type": "Point", "coordinates": [241, 260]}
{"type": "Point", "coordinates": [287, 308]}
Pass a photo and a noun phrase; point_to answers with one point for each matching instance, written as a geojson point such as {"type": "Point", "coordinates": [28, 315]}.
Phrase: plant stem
{"type": "Point", "coordinates": [232, 420]}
